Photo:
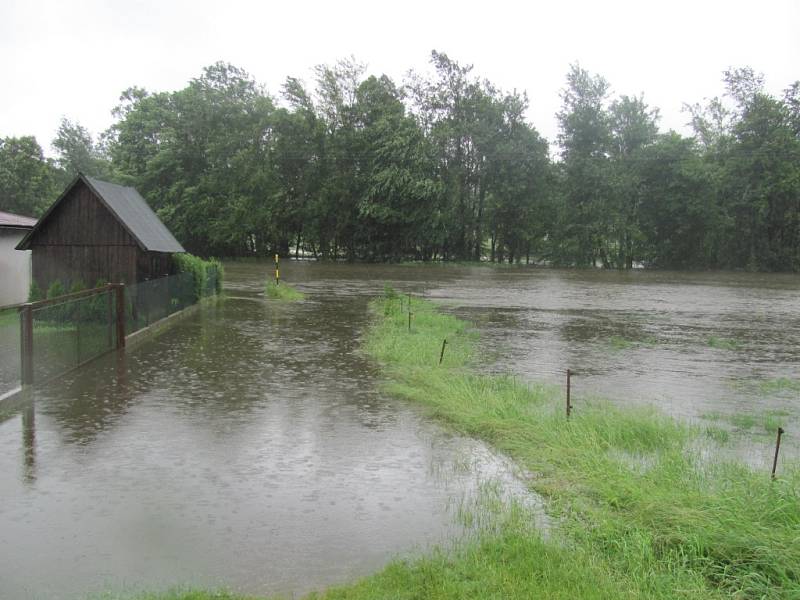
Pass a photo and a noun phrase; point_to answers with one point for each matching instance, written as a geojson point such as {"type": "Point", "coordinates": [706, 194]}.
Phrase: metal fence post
{"type": "Point", "coordinates": [26, 344]}
{"type": "Point", "coordinates": [120, 287]}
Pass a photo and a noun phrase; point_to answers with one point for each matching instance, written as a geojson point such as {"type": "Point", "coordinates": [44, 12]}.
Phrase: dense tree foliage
{"type": "Point", "coordinates": [27, 179]}
{"type": "Point", "coordinates": [444, 166]}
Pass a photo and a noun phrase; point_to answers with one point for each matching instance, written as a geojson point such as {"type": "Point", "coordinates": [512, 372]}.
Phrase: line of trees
{"type": "Point", "coordinates": [444, 167]}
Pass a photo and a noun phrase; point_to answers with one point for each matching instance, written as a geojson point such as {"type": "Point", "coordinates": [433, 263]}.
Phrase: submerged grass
{"type": "Point", "coordinates": [618, 342]}
{"type": "Point", "coordinates": [780, 384]}
{"type": "Point", "coordinates": [723, 343]}
{"type": "Point", "coordinates": [766, 422]}
{"type": "Point", "coordinates": [177, 594]}
{"type": "Point", "coordinates": [283, 292]}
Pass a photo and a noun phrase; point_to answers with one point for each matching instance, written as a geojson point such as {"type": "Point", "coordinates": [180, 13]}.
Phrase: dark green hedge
{"type": "Point", "coordinates": [207, 274]}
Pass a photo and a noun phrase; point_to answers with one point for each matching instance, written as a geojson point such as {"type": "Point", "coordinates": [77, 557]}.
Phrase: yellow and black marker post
{"type": "Point", "coordinates": [277, 272]}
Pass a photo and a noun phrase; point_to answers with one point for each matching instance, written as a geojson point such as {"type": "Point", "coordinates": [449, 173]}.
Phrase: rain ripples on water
{"type": "Point", "coordinates": [249, 446]}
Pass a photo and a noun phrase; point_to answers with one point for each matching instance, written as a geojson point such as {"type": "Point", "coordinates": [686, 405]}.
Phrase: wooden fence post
{"type": "Point", "coordinates": [777, 450]}
{"type": "Point", "coordinates": [569, 390]}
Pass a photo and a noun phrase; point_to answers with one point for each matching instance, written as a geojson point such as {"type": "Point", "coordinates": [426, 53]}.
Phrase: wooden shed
{"type": "Point", "coordinates": [99, 231]}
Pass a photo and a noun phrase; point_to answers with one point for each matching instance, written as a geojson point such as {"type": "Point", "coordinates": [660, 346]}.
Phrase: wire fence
{"type": "Point", "coordinates": [150, 301]}
{"type": "Point", "coordinates": [9, 349]}
{"type": "Point", "coordinates": [69, 333]}
{"type": "Point", "coordinates": [42, 340]}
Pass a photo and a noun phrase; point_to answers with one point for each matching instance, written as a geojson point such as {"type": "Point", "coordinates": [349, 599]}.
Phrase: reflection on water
{"type": "Point", "coordinates": [29, 442]}
{"type": "Point", "coordinates": [249, 445]}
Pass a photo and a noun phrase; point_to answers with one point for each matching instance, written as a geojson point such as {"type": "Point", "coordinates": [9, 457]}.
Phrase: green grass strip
{"type": "Point", "coordinates": [283, 292]}
{"type": "Point", "coordinates": [628, 490]}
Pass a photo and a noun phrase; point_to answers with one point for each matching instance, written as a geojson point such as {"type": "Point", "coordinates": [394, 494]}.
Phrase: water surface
{"type": "Point", "coordinates": [247, 447]}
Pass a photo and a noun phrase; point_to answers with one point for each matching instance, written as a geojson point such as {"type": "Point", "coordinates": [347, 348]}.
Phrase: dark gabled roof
{"type": "Point", "coordinates": [136, 216]}
{"type": "Point", "coordinates": [16, 221]}
{"type": "Point", "coordinates": [130, 209]}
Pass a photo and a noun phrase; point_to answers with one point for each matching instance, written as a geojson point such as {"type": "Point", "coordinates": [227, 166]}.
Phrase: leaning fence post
{"type": "Point", "coordinates": [441, 355]}
{"type": "Point", "coordinates": [777, 449]}
{"type": "Point", "coordinates": [120, 287]}
{"type": "Point", "coordinates": [26, 344]}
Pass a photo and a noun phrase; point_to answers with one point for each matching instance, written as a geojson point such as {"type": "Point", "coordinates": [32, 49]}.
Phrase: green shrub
{"type": "Point", "coordinates": [216, 275]}
{"type": "Point", "coordinates": [56, 289]}
{"type": "Point", "coordinates": [207, 275]}
{"type": "Point", "coordinates": [35, 292]}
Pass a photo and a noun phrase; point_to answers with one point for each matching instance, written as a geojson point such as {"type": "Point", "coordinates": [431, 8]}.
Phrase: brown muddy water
{"type": "Point", "coordinates": [249, 446]}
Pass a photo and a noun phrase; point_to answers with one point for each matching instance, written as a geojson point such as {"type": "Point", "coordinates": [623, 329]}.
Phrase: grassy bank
{"type": "Point", "coordinates": [629, 493]}
{"type": "Point", "coordinates": [636, 512]}
{"type": "Point", "coordinates": [283, 292]}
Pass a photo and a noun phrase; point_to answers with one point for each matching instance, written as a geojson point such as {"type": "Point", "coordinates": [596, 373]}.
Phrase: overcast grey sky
{"type": "Point", "coordinates": [71, 58]}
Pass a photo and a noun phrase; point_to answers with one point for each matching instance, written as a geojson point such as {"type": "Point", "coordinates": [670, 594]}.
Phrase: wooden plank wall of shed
{"type": "Point", "coordinates": [152, 265]}
{"type": "Point", "coordinates": [82, 241]}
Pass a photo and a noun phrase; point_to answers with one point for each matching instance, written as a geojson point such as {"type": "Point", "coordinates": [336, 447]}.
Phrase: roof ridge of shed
{"type": "Point", "coordinates": [130, 209]}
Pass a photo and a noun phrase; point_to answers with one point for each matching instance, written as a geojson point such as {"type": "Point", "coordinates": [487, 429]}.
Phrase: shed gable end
{"type": "Point", "coordinates": [81, 219]}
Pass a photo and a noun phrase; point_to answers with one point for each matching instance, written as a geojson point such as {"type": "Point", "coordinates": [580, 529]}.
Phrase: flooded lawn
{"type": "Point", "coordinates": [719, 349]}
{"type": "Point", "coordinates": [246, 447]}
{"type": "Point", "coordinates": [249, 446]}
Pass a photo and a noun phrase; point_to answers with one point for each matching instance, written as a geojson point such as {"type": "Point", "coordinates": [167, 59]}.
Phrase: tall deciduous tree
{"type": "Point", "coordinates": [399, 208]}
{"type": "Point", "coordinates": [77, 152]}
{"type": "Point", "coordinates": [448, 167]}
{"type": "Point", "coordinates": [586, 141]}
{"type": "Point", "coordinates": [762, 183]}
{"type": "Point", "coordinates": [28, 182]}
{"type": "Point", "coordinates": [633, 128]}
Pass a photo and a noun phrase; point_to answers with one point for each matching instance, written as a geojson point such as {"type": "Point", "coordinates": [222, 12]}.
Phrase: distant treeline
{"type": "Point", "coordinates": [443, 167]}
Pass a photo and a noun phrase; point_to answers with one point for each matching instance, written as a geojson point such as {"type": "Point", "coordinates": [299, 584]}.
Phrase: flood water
{"type": "Point", "coordinates": [246, 447]}
{"type": "Point", "coordinates": [249, 446]}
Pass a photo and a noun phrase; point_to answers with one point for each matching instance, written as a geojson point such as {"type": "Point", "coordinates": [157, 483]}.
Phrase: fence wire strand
{"type": "Point", "coordinates": [68, 333]}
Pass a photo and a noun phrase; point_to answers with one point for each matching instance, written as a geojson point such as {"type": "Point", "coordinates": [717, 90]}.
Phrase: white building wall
{"type": "Point", "coordinates": [15, 267]}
